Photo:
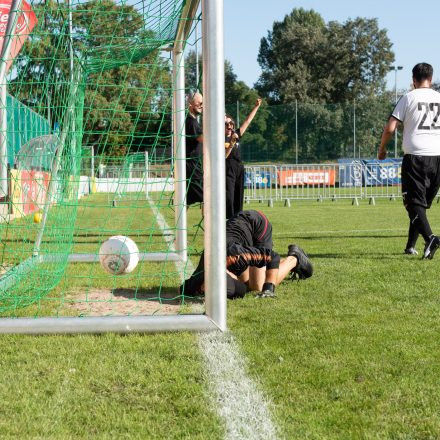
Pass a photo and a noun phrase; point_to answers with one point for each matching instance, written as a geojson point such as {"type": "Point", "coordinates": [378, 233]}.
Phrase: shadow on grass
{"type": "Point", "coordinates": [169, 296]}
{"type": "Point", "coordinates": [137, 235]}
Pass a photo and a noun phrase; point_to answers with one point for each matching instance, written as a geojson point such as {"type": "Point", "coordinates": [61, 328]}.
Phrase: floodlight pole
{"type": "Point", "coordinates": [197, 58]}
{"type": "Point", "coordinates": [92, 161]}
{"type": "Point", "coordinates": [214, 161]}
{"type": "Point", "coordinates": [238, 114]}
{"type": "Point", "coordinates": [395, 68]}
{"type": "Point", "coordinates": [6, 49]}
{"type": "Point", "coordinates": [296, 132]}
{"type": "Point", "coordinates": [74, 146]}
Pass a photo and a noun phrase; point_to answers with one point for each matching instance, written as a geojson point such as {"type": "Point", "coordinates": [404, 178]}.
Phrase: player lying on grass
{"type": "Point", "coordinates": [251, 262]}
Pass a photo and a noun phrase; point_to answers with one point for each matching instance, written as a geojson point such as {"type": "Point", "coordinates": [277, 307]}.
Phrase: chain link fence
{"type": "Point", "coordinates": [302, 133]}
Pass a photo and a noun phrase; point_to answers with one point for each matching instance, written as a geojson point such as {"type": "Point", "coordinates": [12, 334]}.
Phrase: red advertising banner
{"type": "Point", "coordinates": [25, 23]}
{"type": "Point", "coordinates": [306, 177]}
{"type": "Point", "coordinates": [34, 186]}
{"type": "Point", "coordinates": [29, 191]}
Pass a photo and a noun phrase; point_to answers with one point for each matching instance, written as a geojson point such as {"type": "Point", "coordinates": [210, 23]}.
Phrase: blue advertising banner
{"type": "Point", "coordinates": [382, 172]}
{"type": "Point", "coordinates": [257, 179]}
{"type": "Point", "coordinates": [350, 173]}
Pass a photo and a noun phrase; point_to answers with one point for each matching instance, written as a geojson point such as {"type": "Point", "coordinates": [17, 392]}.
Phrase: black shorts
{"type": "Point", "coordinates": [265, 238]}
{"type": "Point", "coordinates": [420, 179]}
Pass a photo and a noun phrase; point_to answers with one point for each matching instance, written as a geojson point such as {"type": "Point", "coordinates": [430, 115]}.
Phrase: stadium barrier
{"type": "Point", "coordinates": [29, 189]}
{"type": "Point", "coordinates": [133, 185]}
{"type": "Point", "coordinates": [347, 179]}
{"type": "Point", "coordinates": [261, 182]}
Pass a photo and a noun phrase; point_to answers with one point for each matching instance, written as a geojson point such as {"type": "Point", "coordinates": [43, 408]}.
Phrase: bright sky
{"type": "Point", "coordinates": [412, 28]}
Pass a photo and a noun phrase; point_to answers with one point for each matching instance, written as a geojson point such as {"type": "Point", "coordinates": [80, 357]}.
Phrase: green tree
{"type": "Point", "coordinates": [305, 59]}
{"type": "Point", "coordinates": [325, 69]}
{"type": "Point", "coordinates": [193, 83]}
{"type": "Point", "coordinates": [126, 98]}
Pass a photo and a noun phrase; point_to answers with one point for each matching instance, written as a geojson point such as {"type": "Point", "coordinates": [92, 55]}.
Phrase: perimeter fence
{"type": "Point", "coordinates": [347, 179]}
{"type": "Point", "coordinates": [343, 179]}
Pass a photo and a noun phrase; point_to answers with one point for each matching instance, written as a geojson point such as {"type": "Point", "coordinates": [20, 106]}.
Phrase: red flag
{"type": "Point", "coordinates": [25, 23]}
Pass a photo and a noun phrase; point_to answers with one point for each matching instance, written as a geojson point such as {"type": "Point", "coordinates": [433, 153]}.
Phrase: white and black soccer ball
{"type": "Point", "coordinates": [119, 255]}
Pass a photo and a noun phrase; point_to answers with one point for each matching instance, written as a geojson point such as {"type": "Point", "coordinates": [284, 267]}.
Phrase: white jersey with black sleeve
{"type": "Point", "coordinates": [419, 111]}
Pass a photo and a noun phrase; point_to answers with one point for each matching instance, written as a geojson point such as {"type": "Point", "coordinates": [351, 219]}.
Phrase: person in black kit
{"type": "Point", "coordinates": [194, 149]}
{"type": "Point", "coordinates": [251, 262]}
{"type": "Point", "coordinates": [234, 165]}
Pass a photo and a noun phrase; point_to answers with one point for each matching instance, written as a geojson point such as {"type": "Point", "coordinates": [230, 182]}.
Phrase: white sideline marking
{"type": "Point", "coordinates": [237, 399]}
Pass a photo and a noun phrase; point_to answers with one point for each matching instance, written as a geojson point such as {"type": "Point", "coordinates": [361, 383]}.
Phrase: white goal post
{"type": "Point", "coordinates": [214, 197]}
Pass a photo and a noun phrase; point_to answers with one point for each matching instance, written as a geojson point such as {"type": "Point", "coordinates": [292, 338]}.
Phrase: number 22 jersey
{"type": "Point", "coordinates": [419, 111]}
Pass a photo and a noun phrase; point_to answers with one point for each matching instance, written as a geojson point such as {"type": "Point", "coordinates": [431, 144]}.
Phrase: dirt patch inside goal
{"type": "Point", "coordinates": [122, 302]}
{"type": "Point", "coordinates": [5, 268]}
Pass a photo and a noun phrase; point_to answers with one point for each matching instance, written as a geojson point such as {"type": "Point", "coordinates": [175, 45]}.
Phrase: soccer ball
{"type": "Point", "coordinates": [119, 255]}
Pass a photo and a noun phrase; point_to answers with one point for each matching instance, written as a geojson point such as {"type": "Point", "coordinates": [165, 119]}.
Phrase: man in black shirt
{"type": "Point", "coordinates": [251, 262]}
{"type": "Point", "coordinates": [194, 149]}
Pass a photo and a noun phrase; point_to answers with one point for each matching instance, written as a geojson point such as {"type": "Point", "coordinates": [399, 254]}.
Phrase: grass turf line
{"type": "Point", "coordinates": [353, 351]}
{"type": "Point", "coordinates": [243, 408]}
{"type": "Point", "coordinates": [350, 353]}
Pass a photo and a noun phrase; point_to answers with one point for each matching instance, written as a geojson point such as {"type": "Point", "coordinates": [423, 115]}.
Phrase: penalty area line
{"type": "Point", "coordinates": [237, 399]}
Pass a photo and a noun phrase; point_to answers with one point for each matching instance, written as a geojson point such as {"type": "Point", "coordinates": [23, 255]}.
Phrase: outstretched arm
{"type": "Point", "coordinates": [248, 120]}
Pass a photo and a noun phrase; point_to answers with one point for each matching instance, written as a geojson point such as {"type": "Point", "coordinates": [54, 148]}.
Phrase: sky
{"type": "Point", "coordinates": [413, 30]}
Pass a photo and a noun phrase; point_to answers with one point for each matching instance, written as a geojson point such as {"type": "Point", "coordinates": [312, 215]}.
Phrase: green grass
{"type": "Point", "coordinates": [350, 353]}
{"type": "Point", "coordinates": [58, 387]}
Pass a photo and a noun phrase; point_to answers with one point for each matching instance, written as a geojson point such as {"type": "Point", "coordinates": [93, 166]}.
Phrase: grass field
{"type": "Point", "coordinates": [350, 353]}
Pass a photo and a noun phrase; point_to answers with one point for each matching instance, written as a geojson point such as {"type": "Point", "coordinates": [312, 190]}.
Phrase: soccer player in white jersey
{"type": "Point", "coordinates": [419, 112]}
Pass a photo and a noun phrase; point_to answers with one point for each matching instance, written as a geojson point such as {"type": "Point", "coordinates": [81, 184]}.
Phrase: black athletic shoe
{"type": "Point", "coordinates": [304, 268]}
{"type": "Point", "coordinates": [431, 246]}
{"type": "Point", "coordinates": [410, 251]}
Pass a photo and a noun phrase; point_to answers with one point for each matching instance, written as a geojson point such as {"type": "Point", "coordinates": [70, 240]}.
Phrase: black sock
{"type": "Point", "coordinates": [417, 216]}
{"type": "Point", "coordinates": [413, 235]}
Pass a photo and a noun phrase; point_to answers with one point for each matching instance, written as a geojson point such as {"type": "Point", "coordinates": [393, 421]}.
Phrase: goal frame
{"type": "Point", "coordinates": [214, 317]}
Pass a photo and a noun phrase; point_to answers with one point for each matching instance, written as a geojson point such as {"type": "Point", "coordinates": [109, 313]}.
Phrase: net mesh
{"type": "Point", "coordinates": [102, 166]}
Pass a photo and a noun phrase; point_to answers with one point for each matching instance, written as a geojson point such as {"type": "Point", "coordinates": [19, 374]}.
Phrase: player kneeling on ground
{"type": "Point", "coordinates": [251, 262]}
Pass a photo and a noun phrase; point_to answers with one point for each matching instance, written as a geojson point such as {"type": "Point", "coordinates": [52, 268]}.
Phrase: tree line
{"type": "Point", "coordinates": [323, 84]}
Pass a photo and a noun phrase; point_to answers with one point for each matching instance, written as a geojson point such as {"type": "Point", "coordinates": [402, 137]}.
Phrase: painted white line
{"type": "Point", "coordinates": [237, 399]}
{"type": "Point", "coordinates": [239, 402]}
{"type": "Point", "coordinates": [169, 238]}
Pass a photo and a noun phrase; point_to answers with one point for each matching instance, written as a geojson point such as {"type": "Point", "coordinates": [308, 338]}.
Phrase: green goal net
{"type": "Point", "coordinates": [99, 74]}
